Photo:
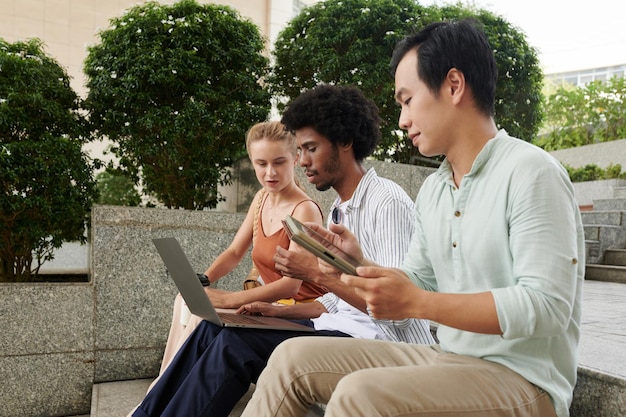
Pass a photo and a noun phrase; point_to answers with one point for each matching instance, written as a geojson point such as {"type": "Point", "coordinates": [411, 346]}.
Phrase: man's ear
{"type": "Point", "coordinates": [346, 147]}
{"type": "Point", "coordinates": [455, 84]}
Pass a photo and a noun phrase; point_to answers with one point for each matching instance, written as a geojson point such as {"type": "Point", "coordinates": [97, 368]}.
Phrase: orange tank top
{"type": "Point", "coordinates": [263, 254]}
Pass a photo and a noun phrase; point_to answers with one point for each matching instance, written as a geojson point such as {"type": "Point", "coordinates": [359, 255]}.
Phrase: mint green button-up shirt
{"type": "Point", "coordinates": [513, 228]}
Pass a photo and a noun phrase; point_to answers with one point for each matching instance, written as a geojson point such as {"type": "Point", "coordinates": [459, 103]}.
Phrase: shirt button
{"type": "Point", "coordinates": [454, 244]}
{"type": "Point", "coordinates": [574, 261]}
{"type": "Point", "coordinates": [457, 213]}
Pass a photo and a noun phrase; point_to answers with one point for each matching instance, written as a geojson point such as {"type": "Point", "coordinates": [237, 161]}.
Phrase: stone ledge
{"type": "Point", "coordinates": [598, 393]}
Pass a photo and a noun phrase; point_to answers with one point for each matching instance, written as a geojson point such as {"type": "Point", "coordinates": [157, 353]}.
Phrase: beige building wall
{"type": "Point", "coordinates": [68, 27]}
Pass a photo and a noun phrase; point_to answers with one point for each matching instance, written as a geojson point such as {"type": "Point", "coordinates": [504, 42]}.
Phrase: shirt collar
{"type": "Point", "coordinates": [360, 190]}
{"type": "Point", "coordinates": [444, 172]}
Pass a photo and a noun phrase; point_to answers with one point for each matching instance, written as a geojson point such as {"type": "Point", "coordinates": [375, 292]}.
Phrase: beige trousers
{"type": "Point", "coordinates": [357, 377]}
{"type": "Point", "coordinates": [183, 324]}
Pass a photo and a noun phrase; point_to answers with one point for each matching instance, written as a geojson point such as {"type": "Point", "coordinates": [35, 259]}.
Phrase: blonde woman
{"type": "Point", "coordinates": [273, 153]}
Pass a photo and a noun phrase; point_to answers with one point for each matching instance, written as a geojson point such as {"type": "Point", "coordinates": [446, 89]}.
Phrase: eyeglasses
{"type": "Point", "coordinates": [337, 215]}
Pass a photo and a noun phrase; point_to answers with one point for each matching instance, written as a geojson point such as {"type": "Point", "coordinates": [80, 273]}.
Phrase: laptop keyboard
{"type": "Point", "coordinates": [238, 318]}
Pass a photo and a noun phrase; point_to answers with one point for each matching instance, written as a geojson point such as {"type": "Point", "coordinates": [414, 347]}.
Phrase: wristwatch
{"type": "Point", "coordinates": [204, 280]}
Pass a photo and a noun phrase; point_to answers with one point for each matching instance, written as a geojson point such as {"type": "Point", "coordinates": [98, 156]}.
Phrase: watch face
{"type": "Point", "coordinates": [204, 280]}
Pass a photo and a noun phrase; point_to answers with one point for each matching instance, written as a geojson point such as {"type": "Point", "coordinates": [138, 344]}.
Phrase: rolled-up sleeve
{"type": "Point", "coordinates": [543, 244]}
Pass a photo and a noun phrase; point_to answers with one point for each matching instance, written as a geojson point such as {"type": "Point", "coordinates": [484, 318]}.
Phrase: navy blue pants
{"type": "Point", "coordinates": [214, 369]}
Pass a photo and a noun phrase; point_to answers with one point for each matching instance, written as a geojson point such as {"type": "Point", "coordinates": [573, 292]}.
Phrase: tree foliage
{"type": "Point", "coordinates": [585, 115]}
{"type": "Point", "coordinates": [346, 42]}
{"type": "Point", "coordinates": [46, 183]}
{"type": "Point", "coordinates": [175, 87]}
{"type": "Point", "coordinates": [116, 188]}
{"type": "Point", "coordinates": [519, 99]}
{"type": "Point", "coordinates": [351, 41]}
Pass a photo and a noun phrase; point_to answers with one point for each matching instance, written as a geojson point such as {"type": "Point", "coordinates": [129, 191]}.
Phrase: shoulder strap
{"type": "Point", "coordinates": [311, 200]}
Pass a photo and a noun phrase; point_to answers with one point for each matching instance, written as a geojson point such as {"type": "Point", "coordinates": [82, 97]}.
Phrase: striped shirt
{"type": "Point", "coordinates": [381, 216]}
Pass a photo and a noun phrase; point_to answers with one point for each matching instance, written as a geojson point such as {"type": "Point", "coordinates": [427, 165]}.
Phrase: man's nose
{"type": "Point", "coordinates": [304, 160]}
{"type": "Point", "coordinates": [404, 121]}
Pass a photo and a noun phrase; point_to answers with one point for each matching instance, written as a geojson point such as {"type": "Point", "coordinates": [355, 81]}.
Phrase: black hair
{"type": "Point", "coordinates": [342, 114]}
{"type": "Point", "coordinates": [442, 46]}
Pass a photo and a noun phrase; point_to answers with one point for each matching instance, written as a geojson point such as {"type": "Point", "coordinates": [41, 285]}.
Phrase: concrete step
{"type": "Point", "coordinates": [610, 204]}
{"type": "Point", "coordinates": [604, 217]}
{"type": "Point", "coordinates": [601, 387]}
{"type": "Point", "coordinates": [117, 399]}
{"type": "Point", "coordinates": [606, 273]}
{"type": "Point", "coordinates": [592, 232]}
{"type": "Point", "coordinates": [619, 192]}
{"type": "Point", "coordinates": [608, 236]}
{"type": "Point", "coordinates": [600, 390]}
{"type": "Point", "coordinates": [593, 253]}
{"type": "Point", "coordinates": [615, 257]}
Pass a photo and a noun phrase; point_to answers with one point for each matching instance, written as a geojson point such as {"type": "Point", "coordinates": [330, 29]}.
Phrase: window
{"type": "Point", "coordinates": [571, 79]}
{"type": "Point", "coordinates": [580, 78]}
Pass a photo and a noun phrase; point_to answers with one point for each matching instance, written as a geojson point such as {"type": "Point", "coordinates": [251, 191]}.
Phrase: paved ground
{"type": "Point", "coordinates": [602, 348]}
{"type": "Point", "coordinates": [603, 343]}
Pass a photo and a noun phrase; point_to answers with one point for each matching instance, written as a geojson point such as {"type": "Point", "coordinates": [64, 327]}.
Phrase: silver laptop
{"type": "Point", "coordinates": [199, 302]}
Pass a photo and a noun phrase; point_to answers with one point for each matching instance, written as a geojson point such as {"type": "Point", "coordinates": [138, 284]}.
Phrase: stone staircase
{"type": "Point", "coordinates": [605, 238]}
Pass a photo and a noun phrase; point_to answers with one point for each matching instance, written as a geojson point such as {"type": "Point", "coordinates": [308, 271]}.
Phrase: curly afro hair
{"type": "Point", "coordinates": [342, 114]}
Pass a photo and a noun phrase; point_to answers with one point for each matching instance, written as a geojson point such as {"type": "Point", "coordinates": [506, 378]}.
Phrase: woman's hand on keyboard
{"type": "Point", "coordinates": [260, 308]}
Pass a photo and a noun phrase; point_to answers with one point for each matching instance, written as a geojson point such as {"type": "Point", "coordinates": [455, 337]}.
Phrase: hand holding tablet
{"type": "Point", "coordinates": [319, 246]}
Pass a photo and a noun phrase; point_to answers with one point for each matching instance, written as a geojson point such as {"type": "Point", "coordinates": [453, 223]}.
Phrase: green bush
{"type": "Point", "coordinates": [592, 172]}
{"type": "Point", "coordinates": [46, 180]}
{"type": "Point", "coordinates": [176, 87]}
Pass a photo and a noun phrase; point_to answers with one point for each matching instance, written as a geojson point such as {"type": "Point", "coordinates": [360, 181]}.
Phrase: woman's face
{"type": "Point", "coordinates": [274, 163]}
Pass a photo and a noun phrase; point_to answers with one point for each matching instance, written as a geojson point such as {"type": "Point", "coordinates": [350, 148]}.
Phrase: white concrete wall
{"type": "Point", "coordinates": [601, 154]}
